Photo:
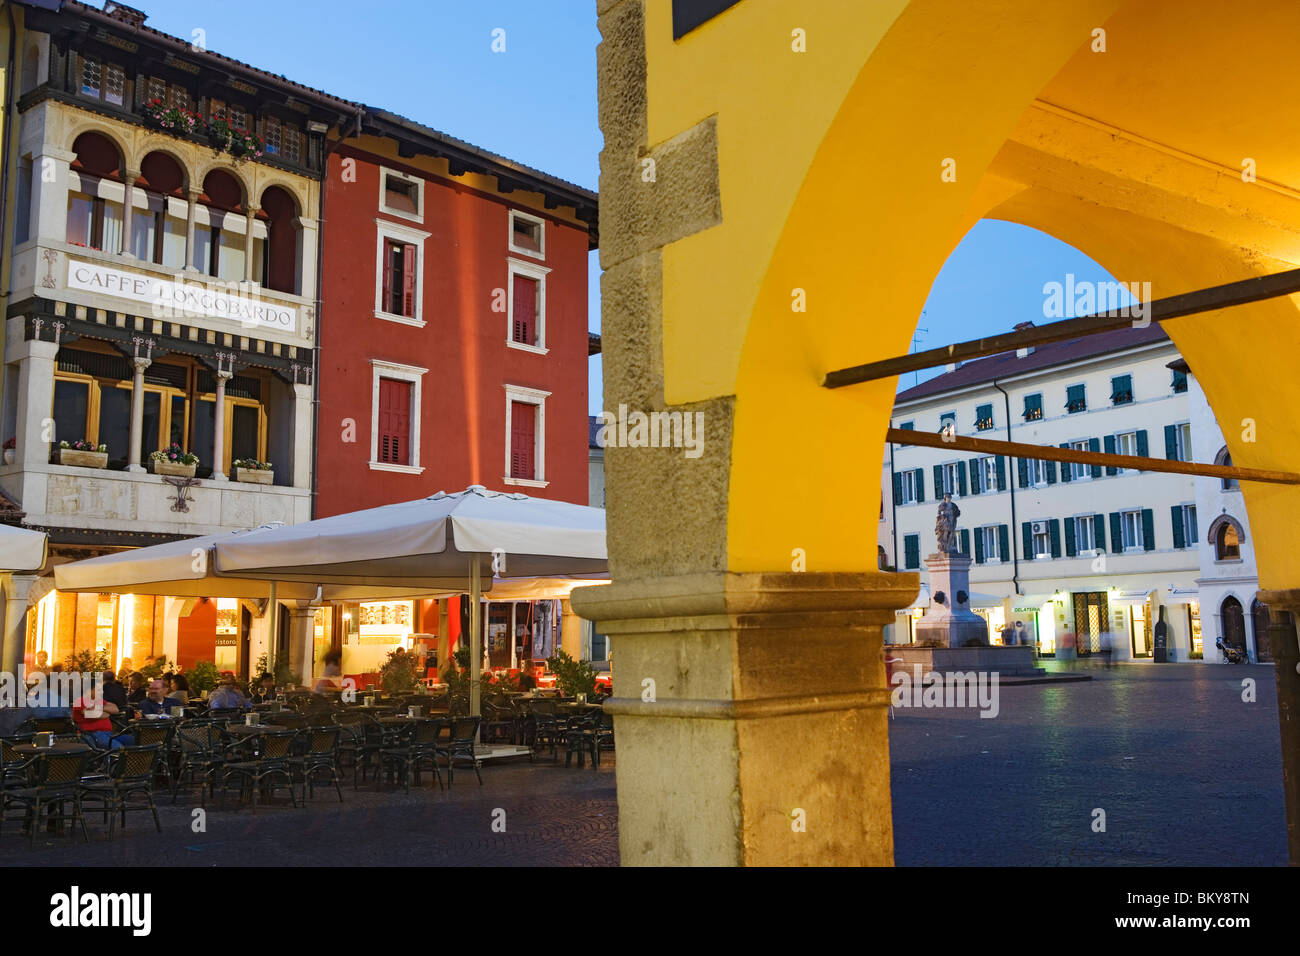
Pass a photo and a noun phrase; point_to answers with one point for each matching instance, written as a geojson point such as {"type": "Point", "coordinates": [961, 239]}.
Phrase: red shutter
{"type": "Point", "coordinates": [388, 275]}
{"type": "Point", "coordinates": [523, 436]}
{"type": "Point", "coordinates": [525, 305]}
{"type": "Point", "coordinates": [394, 421]}
{"type": "Point", "coordinates": [408, 280]}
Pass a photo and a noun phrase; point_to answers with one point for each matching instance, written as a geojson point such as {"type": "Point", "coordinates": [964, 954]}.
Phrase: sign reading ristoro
{"type": "Point", "coordinates": [180, 299]}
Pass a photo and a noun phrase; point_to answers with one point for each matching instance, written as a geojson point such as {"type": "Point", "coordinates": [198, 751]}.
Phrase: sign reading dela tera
{"type": "Point", "coordinates": [179, 299]}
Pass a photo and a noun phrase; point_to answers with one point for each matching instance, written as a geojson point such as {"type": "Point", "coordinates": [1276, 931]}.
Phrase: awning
{"type": "Point", "coordinates": [1030, 602]}
{"type": "Point", "coordinates": [922, 599]}
{"type": "Point", "coordinates": [1183, 596]}
{"type": "Point", "coordinates": [1130, 598]}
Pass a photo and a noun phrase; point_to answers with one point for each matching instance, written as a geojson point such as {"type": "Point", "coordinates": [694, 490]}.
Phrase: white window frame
{"type": "Point", "coordinates": [1119, 448]}
{"type": "Point", "coordinates": [1046, 552]}
{"type": "Point", "coordinates": [1079, 472]}
{"type": "Point", "coordinates": [907, 487]}
{"type": "Point", "coordinates": [992, 553]}
{"type": "Point", "coordinates": [1139, 543]}
{"type": "Point", "coordinates": [528, 396]}
{"type": "Point", "coordinates": [396, 231]}
{"type": "Point", "coordinates": [1081, 522]}
{"type": "Point", "coordinates": [955, 491]}
{"type": "Point", "coordinates": [529, 270]}
{"type": "Point", "coordinates": [387, 210]}
{"type": "Point", "coordinates": [402, 373]}
{"type": "Point", "coordinates": [1183, 440]}
{"type": "Point", "coordinates": [1190, 540]}
{"type": "Point", "coordinates": [1037, 473]}
{"type": "Point", "coordinates": [540, 252]}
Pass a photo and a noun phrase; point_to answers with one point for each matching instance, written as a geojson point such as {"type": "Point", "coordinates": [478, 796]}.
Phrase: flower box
{"type": "Point", "coordinates": [173, 468]}
{"type": "Point", "coordinates": [258, 476]}
{"type": "Point", "coordinates": [83, 459]}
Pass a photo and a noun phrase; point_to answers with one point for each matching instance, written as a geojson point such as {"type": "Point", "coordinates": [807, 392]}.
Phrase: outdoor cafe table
{"type": "Point", "coordinates": [60, 746]}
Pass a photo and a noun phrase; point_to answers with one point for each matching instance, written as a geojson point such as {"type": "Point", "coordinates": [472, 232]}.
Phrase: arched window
{"type": "Point", "coordinates": [95, 194]}
{"type": "Point", "coordinates": [281, 267]}
{"type": "Point", "coordinates": [159, 213]}
{"type": "Point", "coordinates": [1225, 458]}
{"type": "Point", "coordinates": [1226, 537]}
{"type": "Point", "coordinates": [219, 225]}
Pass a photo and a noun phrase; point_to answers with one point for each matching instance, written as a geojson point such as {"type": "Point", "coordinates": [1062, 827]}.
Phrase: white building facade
{"type": "Point", "coordinates": [1083, 557]}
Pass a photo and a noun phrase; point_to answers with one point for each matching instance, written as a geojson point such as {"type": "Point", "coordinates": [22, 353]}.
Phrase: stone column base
{"type": "Point", "coordinates": [750, 713]}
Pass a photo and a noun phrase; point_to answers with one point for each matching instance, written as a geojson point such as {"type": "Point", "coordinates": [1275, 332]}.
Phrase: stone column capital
{"type": "Point", "coordinates": [141, 364]}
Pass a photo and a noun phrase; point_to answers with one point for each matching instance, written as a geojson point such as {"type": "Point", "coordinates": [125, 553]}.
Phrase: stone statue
{"type": "Point", "coordinates": [945, 525]}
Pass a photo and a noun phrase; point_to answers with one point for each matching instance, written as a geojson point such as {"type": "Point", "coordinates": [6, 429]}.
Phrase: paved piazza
{"type": "Point", "coordinates": [1185, 771]}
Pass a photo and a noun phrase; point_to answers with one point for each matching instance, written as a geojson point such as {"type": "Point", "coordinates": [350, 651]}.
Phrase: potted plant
{"type": "Point", "coordinates": [250, 469]}
{"type": "Point", "coordinates": [9, 446]}
{"type": "Point", "coordinates": [236, 141]}
{"type": "Point", "coordinates": [83, 454]}
{"type": "Point", "coordinates": [174, 461]}
{"type": "Point", "coordinates": [574, 677]}
{"type": "Point", "coordinates": [398, 673]}
{"type": "Point", "coordinates": [171, 118]}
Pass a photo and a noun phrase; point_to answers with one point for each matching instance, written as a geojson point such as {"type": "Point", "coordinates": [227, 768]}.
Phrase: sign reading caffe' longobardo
{"type": "Point", "coordinates": [179, 298]}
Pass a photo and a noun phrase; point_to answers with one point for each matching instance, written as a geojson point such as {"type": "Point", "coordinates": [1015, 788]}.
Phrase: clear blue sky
{"type": "Point", "coordinates": [432, 60]}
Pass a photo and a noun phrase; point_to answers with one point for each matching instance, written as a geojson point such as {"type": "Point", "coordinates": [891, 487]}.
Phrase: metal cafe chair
{"type": "Point", "coordinates": [201, 749]}
{"type": "Point", "coordinates": [56, 783]}
{"type": "Point", "coordinates": [148, 733]}
{"type": "Point", "coordinates": [463, 730]}
{"type": "Point", "coordinates": [362, 737]}
{"type": "Point", "coordinates": [272, 762]}
{"type": "Point", "coordinates": [419, 744]}
{"type": "Point", "coordinates": [321, 756]}
{"type": "Point", "coordinates": [15, 769]}
{"type": "Point", "coordinates": [580, 738]}
{"type": "Point", "coordinates": [130, 770]}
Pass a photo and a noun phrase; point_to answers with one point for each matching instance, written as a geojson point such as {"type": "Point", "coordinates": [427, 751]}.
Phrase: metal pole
{"type": "Point", "coordinates": [475, 638]}
{"type": "Point", "coordinates": [273, 610]}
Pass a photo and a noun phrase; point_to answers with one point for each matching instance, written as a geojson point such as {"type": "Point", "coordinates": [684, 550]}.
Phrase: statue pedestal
{"type": "Point", "coordinates": [948, 620]}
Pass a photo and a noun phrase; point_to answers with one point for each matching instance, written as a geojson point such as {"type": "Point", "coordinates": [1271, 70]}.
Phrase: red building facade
{"type": "Point", "coordinates": [453, 332]}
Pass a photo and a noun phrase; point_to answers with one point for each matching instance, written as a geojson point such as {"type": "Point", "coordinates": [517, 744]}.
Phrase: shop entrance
{"type": "Point", "coordinates": [1259, 619]}
{"type": "Point", "coordinates": [1233, 623]}
{"type": "Point", "coordinates": [1091, 617]}
{"type": "Point", "coordinates": [1140, 630]}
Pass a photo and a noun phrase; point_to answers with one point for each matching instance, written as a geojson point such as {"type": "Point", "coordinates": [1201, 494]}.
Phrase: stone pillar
{"type": "Point", "coordinates": [949, 618]}
{"type": "Point", "coordinates": [219, 427]}
{"type": "Point", "coordinates": [759, 701]}
{"type": "Point", "coordinates": [34, 433]}
{"type": "Point", "coordinates": [13, 617]}
{"type": "Point", "coordinates": [444, 637]}
{"type": "Point", "coordinates": [570, 631]}
{"type": "Point", "coordinates": [134, 455]}
{"type": "Point", "coordinates": [128, 200]}
{"type": "Point", "coordinates": [301, 463]}
{"type": "Point", "coordinates": [305, 264]}
{"type": "Point", "coordinates": [1283, 606]}
{"type": "Point", "coordinates": [192, 195]}
{"type": "Point", "coordinates": [301, 658]}
{"type": "Point", "coordinates": [249, 218]}
{"type": "Point", "coordinates": [49, 208]}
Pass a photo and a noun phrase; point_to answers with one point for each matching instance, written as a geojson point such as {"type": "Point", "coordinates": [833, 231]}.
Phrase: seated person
{"type": "Point", "coordinates": [156, 701]}
{"type": "Point", "coordinates": [114, 692]}
{"type": "Point", "coordinates": [137, 688]}
{"type": "Point", "coordinates": [92, 719]}
{"type": "Point", "coordinates": [227, 695]}
{"type": "Point", "coordinates": [265, 689]}
{"type": "Point", "coordinates": [180, 688]}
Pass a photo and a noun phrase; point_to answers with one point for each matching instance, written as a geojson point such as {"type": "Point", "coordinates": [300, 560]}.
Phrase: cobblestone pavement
{"type": "Point", "coordinates": [1187, 774]}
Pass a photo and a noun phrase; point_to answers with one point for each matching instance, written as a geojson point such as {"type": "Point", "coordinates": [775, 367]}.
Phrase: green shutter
{"type": "Point", "coordinates": [898, 488]}
{"type": "Point", "coordinates": [1171, 443]}
{"type": "Point", "coordinates": [1148, 529]}
{"type": "Point", "coordinates": [965, 542]}
{"type": "Point", "coordinates": [938, 482]}
{"type": "Point", "coordinates": [920, 484]}
{"type": "Point", "coordinates": [983, 417]}
{"type": "Point", "coordinates": [1070, 550]}
{"type": "Point", "coordinates": [1094, 445]}
{"type": "Point", "coordinates": [1176, 517]}
{"type": "Point", "coordinates": [974, 466]}
{"type": "Point", "coordinates": [1110, 450]}
{"type": "Point", "coordinates": [1022, 471]}
{"type": "Point", "coordinates": [1116, 534]}
{"type": "Point", "coordinates": [979, 547]}
{"type": "Point", "coordinates": [911, 551]}
{"type": "Point", "coordinates": [1002, 472]}
{"type": "Point", "coordinates": [961, 480]}
{"type": "Point", "coordinates": [908, 426]}
{"type": "Point", "coordinates": [1099, 533]}
{"type": "Point", "coordinates": [1050, 468]}
{"type": "Point", "coordinates": [1054, 532]}
{"type": "Point", "coordinates": [1066, 471]}
{"type": "Point", "coordinates": [1004, 543]}
{"type": "Point", "coordinates": [1143, 449]}
{"type": "Point", "coordinates": [1027, 538]}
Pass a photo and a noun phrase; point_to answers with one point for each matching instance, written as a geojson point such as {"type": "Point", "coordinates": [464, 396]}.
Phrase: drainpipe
{"type": "Point", "coordinates": [893, 506]}
{"type": "Point", "coordinates": [1011, 484]}
{"type": "Point", "coordinates": [10, 107]}
{"type": "Point", "coordinates": [354, 126]}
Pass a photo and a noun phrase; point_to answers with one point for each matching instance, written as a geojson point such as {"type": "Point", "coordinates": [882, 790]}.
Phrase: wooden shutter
{"type": "Point", "coordinates": [974, 466]}
{"type": "Point", "coordinates": [911, 551]}
{"type": "Point", "coordinates": [1004, 543]}
{"type": "Point", "coordinates": [1171, 442]}
{"type": "Point", "coordinates": [1022, 471]}
{"type": "Point", "coordinates": [1070, 549]}
{"type": "Point", "coordinates": [1002, 472]}
{"type": "Point", "coordinates": [1067, 471]}
{"type": "Point", "coordinates": [1143, 449]}
{"type": "Point", "coordinates": [408, 280]}
{"type": "Point", "coordinates": [898, 488]}
{"type": "Point", "coordinates": [965, 542]}
{"type": "Point", "coordinates": [524, 328]}
{"type": "Point", "coordinates": [389, 248]}
{"type": "Point", "coordinates": [394, 421]}
{"type": "Point", "coordinates": [1176, 514]}
{"type": "Point", "coordinates": [979, 546]}
{"type": "Point", "coordinates": [961, 480]}
{"type": "Point", "coordinates": [1098, 533]}
{"type": "Point", "coordinates": [523, 437]}
{"type": "Point", "coordinates": [1116, 533]}
{"type": "Point", "coordinates": [1054, 533]}
{"type": "Point", "coordinates": [1110, 450]}
{"type": "Point", "coordinates": [938, 482]}
{"type": "Point", "coordinates": [1027, 536]}
{"type": "Point", "coordinates": [920, 485]}
{"type": "Point", "coordinates": [1094, 445]}
{"type": "Point", "coordinates": [1148, 529]}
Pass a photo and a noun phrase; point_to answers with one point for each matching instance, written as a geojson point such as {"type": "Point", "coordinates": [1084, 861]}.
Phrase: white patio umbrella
{"type": "Point", "coordinates": [443, 542]}
{"type": "Point", "coordinates": [21, 549]}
